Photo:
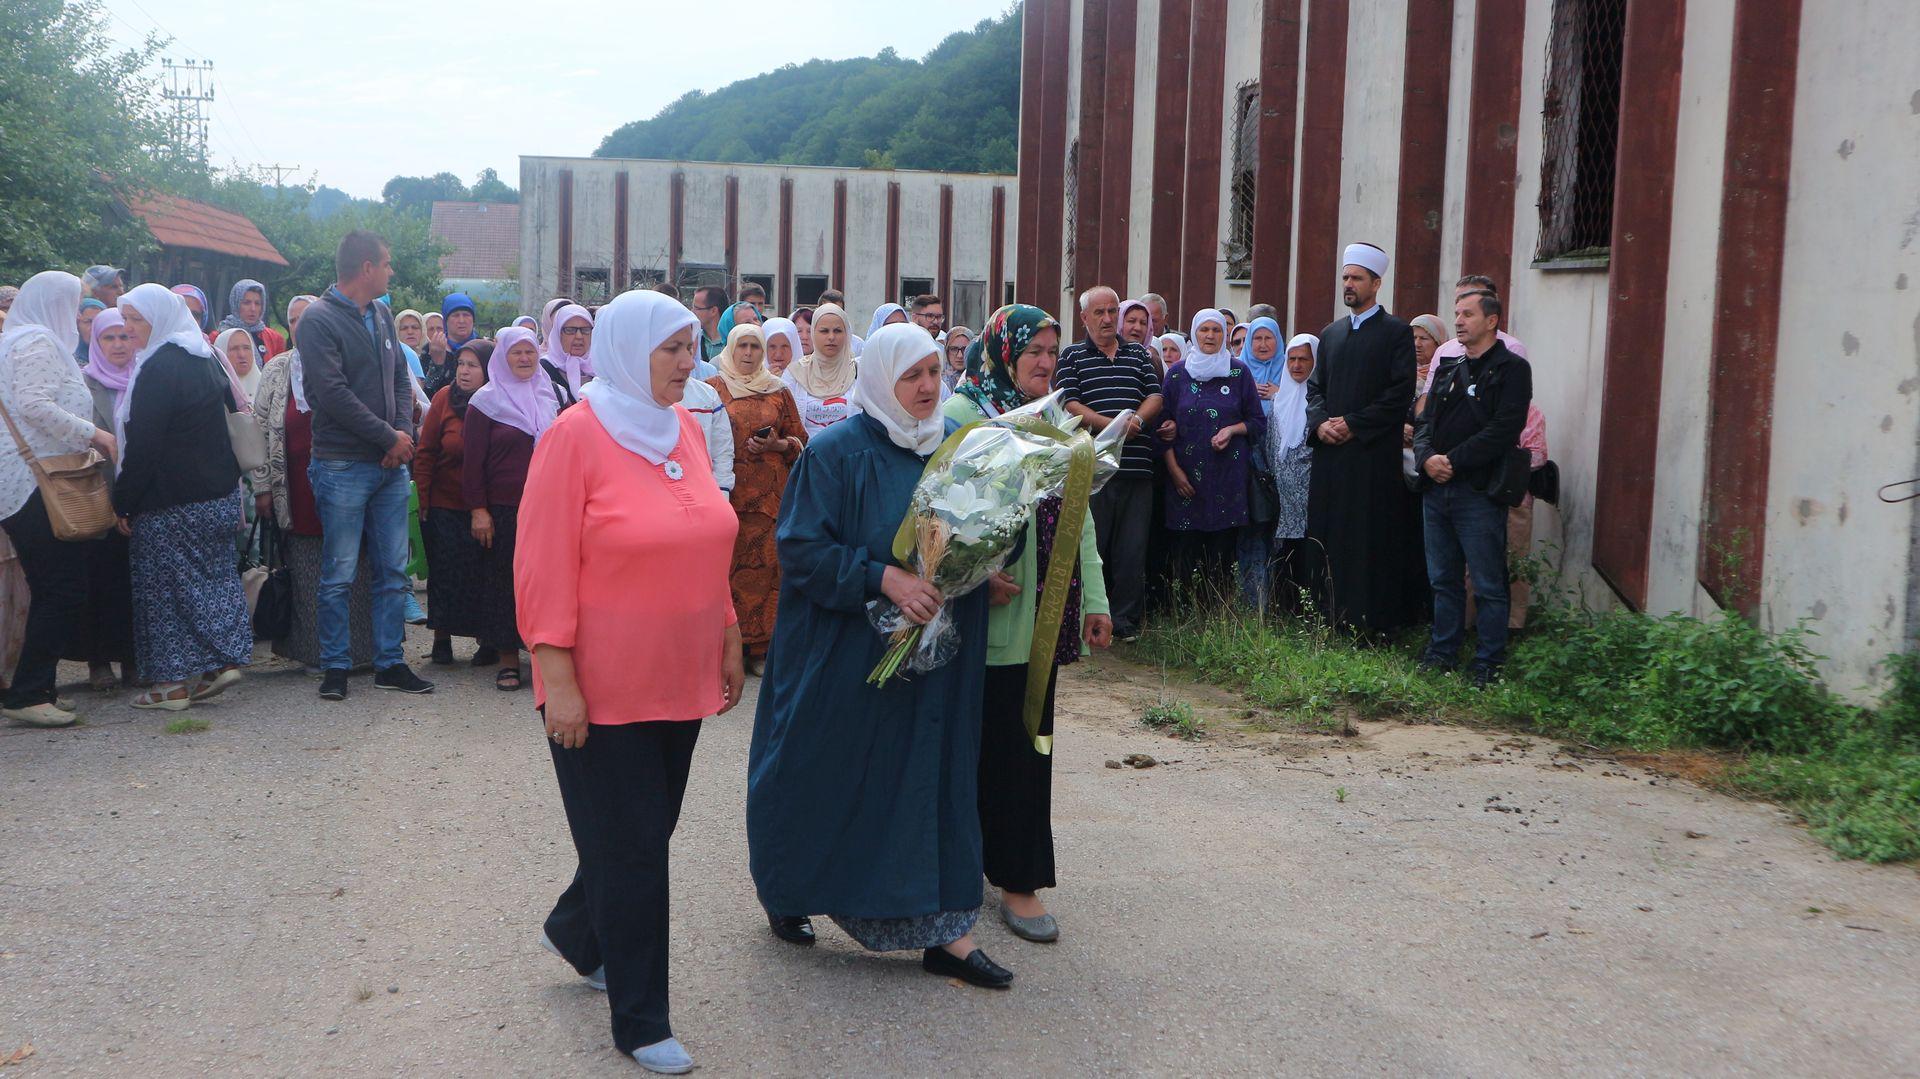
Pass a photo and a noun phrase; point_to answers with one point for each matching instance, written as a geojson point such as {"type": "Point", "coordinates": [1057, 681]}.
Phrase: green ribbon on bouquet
{"type": "Point", "coordinates": [1059, 581]}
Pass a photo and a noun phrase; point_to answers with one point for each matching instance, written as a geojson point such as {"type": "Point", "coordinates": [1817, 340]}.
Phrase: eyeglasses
{"type": "Point", "coordinates": [575, 331]}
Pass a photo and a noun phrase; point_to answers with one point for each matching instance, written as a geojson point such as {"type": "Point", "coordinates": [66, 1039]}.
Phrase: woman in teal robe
{"type": "Point", "coordinates": [861, 800]}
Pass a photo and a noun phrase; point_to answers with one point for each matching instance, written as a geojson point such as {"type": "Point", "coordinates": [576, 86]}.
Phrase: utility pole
{"type": "Point", "coordinates": [190, 87]}
{"type": "Point", "coordinates": [279, 171]}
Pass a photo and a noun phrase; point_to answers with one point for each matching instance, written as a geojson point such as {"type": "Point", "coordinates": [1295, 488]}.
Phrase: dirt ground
{"type": "Point", "coordinates": [357, 889]}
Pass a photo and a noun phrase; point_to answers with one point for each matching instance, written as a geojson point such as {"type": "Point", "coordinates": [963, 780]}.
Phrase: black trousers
{"type": "Point", "coordinates": [1205, 561]}
{"type": "Point", "coordinates": [56, 574]}
{"type": "Point", "coordinates": [622, 791]}
{"type": "Point", "coordinates": [1016, 785]}
{"type": "Point", "coordinates": [1122, 512]}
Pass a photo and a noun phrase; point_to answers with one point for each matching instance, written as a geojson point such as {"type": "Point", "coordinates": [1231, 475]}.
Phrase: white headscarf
{"type": "Point", "coordinates": [1290, 400]}
{"type": "Point", "coordinates": [621, 394]}
{"type": "Point", "coordinates": [786, 328]}
{"type": "Point", "coordinates": [297, 375]}
{"type": "Point", "coordinates": [249, 382]}
{"type": "Point", "coordinates": [173, 324]}
{"type": "Point", "coordinates": [576, 369]}
{"type": "Point", "coordinates": [880, 316]}
{"type": "Point", "coordinates": [48, 306]}
{"type": "Point", "coordinates": [890, 352]}
{"type": "Point", "coordinates": [1208, 365]}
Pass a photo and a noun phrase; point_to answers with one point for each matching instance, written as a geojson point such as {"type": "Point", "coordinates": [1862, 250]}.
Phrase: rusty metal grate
{"type": "Point", "coordinates": [1073, 206]}
{"type": "Point", "coordinates": [1580, 127]}
{"type": "Point", "coordinates": [1240, 189]}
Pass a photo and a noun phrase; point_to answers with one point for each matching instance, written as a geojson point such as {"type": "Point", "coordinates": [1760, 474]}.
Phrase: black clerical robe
{"type": "Point", "coordinates": [1357, 520]}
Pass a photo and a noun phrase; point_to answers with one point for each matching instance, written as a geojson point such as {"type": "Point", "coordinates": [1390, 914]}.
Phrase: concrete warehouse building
{"type": "Point", "coordinates": [594, 227]}
{"type": "Point", "coordinates": [1704, 216]}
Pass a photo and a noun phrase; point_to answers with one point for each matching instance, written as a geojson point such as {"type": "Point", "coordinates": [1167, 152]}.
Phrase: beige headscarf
{"type": "Point", "coordinates": [743, 382]}
{"type": "Point", "coordinates": [822, 375]}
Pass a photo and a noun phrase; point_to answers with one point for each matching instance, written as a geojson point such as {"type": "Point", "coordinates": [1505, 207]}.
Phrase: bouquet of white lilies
{"type": "Point", "coordinates": [971, 508]}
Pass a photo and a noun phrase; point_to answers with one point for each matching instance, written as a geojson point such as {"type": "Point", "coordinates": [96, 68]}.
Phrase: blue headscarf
{"type": "Point", "coordinates": [459, 301]}
{"type": "Point", "coordinates": [1274, 370]}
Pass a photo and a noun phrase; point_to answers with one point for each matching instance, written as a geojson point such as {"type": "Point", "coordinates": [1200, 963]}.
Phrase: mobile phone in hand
{"type": "Point", "coordinates": [764, 432]}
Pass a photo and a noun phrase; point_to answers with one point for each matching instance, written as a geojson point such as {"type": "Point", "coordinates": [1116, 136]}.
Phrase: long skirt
{"type": "Point", "coordinates": [189, 612]}
{"type": "Point", "coordinates": [500, 618]}
{"type": "Point", "coordinates": [106, 629]}
{"type": "Point", "coordinates": [454, 592]}
{"type": "Point", "coordinates": [302, 643]}
{"type": "Point", "coordinates": [1016, 785]}
{"type": "Point", "coordinates": [906, 934]}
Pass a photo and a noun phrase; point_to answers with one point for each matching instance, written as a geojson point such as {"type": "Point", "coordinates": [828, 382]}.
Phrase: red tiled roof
{"type": "Point", "coordinates": [485, 237]}
{"type": "Point", "coordinates": [178, 222]}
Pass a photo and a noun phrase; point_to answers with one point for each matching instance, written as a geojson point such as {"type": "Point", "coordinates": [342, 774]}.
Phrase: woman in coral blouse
{"type": "Point", "coordinates": [617, 490]}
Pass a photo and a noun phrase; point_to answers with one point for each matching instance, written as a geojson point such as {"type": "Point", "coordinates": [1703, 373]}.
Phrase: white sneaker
{"type": "Point", "coordinates": [664, 1058]}
{"type": "Point", "coordinates": [42, 715]}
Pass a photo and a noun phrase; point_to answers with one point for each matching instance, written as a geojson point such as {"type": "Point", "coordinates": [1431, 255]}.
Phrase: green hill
{"type": "Point", "coordinates": [955, 111]}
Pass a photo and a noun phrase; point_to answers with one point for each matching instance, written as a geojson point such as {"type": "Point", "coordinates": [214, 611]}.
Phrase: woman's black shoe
{"type": "Point", "coordinates": [975, 969]}
{"type": "Point", "coordinates": [486, 656]}
{"type": "Point", "coordinates": [442, 653]}
{"type": "Point", "coordinates": [797, 930]}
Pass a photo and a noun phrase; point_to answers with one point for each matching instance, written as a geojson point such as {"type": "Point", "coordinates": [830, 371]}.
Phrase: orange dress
{"type": "Point", "coordinates": [758, 480]}
{"type": "Point", "coordinates": [628, 568]}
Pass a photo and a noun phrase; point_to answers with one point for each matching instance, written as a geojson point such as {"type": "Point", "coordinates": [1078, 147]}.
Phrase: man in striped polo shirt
{"type": "Point", "coordinates": [1098, 379]}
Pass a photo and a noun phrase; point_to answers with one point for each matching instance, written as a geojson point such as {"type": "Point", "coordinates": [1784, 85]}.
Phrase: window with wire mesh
{"type": "Point", "coordinates": [1580, 127]}
{"type": "Point", "coordinates": [1073, 205]}
{"type": "Point", "coordinates": [1240, 183]}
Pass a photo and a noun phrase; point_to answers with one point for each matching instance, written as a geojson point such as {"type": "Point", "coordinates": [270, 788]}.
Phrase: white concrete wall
{"type": "Point", "coordinates": [704, 236]}
{"type": "Point", "coordinates": [1370, 131]}
{"type": "Point", "coordinates": [1146, 80]}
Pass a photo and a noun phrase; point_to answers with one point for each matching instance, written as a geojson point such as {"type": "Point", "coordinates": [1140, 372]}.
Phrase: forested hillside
{"type": "Point", "coordinates": [953, 111]}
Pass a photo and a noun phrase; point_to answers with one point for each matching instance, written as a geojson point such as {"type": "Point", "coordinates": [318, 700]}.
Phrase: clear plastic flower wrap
{"type": "Point", "coordinates": [971, 508]}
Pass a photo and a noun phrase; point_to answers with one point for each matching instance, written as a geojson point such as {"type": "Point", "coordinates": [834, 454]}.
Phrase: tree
{"type": "Point", "coordinates": [80, 125]}
{"type": "Point", "coordinates": [488, 187]}
{"type": "Point", "coordinates": [954, 110]}
{"type": "Point", "coordinates": [417, 194]}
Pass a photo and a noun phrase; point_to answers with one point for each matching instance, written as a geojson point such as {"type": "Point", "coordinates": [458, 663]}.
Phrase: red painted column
{"type": "Point", "coordinates": [1273, 176]}
{"type": "Point", "coordinates": [1637, 288]}
{"type": "Point", "coordinates": [1116, 180]}
{"type": "Point", "coordinates": [997, 254]}
{"type": "Point", "coordinates": [563, 237]}
{"type": "Point", "coordinates": [1323, 112]}
{"type": "Point", "coordinates": [732, 233]}
{"type": "Point", "coordinates": [943, 281]}
{"type": "Point", "coordinates": [1746, 317]}
{"type": "Point", "coordinates": [1493, 139]}
{"type": "Point", "coordinates": [1206, 106]}
{"type": "Point", "coordinates": [1169, 154]}
{"type": "Point", "coordinates": [1423, 158]}
{"type": "Point", "coordinates": [1033, 23]}
{"type": "Point", "coordinates": [783, 288]}
{"type": "Point", "coordinates": [676, 224]}
{"type": "Point", "coordinates": [620, 258]}
{"type": "Point", "coordinates": [1050, 243]}
{"type": "Point", "coordinates": [840, 235]}
{"type": "Point", "coordinates": [892, 287]}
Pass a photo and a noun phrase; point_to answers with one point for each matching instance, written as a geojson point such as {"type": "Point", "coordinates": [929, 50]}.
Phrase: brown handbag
{"type": "Point", "coordinates": [73, 487]}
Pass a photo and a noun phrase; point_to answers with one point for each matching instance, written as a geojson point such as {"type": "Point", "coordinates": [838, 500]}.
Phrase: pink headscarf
{"type": "Point", "coordinates": [528, 404]}
{"type": "Point", "coordinates": [577, 368]}
{"type": "Point", "coordinates": [103, 373]}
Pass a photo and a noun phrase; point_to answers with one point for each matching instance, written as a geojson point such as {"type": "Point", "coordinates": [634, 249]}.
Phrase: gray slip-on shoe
{"type": "Point", "coordinates": [1041, 930]}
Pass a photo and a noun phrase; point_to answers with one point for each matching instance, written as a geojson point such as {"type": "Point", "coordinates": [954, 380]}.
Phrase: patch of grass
{"type": "Point", "coordinates": [1176, 718]}
{"type": "Point", "coordinates": [186, 725]}
{"type": "Point", "coordinates": [1614, 679]}
{"type": "Point", "coordinates": [1339, 794]}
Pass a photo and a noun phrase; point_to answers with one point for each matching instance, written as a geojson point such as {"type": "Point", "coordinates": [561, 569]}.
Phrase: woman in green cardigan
{"type": "Point", "coordinates": [1011, 363]}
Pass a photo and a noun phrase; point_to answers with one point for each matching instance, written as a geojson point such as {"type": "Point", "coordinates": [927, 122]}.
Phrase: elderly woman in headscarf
{"type": "Point", "coordinates": [90, 308]}
{"type": "Point", "coordinates": [1169, 349]}
{"type": "Point", "coordinates": [106, 631]}
{"type": "Point", "coordinates": [1214, 419]}
{"type": "Point", "coordinates": [622, 676]}
{"type": "Point", "coordinates": [1136, 322]}
{"type": "Point", "coordinates": [196, 302]}
{"type": "Point", "coordinates": [178, 494]}
{"type": "Point", "coordinates": [569, 337]}
{"type": "Point", "coordinates": [44, 396]}
{"type": "Point", "coordinates": [411, 329]}
{"type": "Point", "coordinates": [283, 490]}
{"type": "Point", "coordinates": [821, 380]}
{"type": "Point", "coordinates": [437, 367]}
{"type": "Point", "coordinates": [1292, 454]}
{"type": "Point", "coordinates": [454, 591]}
{"type": "Point", "coordinates": [457, 315]}
{"type": "Point", "coordinates": [1012, 365]}
{"type": "Point", "coordinates": [247, 310]}
{"type": "Point", "coordinates": [860, 798]}
{"type": "Point", "coordinates": [783, 345]}
{"type": "Point", "coordinates": [767, 438]}
{"type": "Point", "coordinates": [504, 421]}
{"type": "Point", "coordinates": [953, 344]}
{"type": "Point", "coordinates": [1261, 355]}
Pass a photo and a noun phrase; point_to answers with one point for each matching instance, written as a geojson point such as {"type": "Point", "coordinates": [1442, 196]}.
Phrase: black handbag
{"type": "Point", "coordinates": [273, 607]}
{"type": "Point", "coordinates": [1263, 493]}
{"type": "Point", "coordinates": [1507, 482]}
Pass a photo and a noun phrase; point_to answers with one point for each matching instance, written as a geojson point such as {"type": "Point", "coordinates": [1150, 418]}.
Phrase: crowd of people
{"type": "Point", "coordinates": [635, 506]}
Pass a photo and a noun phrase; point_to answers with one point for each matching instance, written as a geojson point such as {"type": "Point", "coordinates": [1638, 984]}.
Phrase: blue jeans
{"type": "Point", "coordinates": [357, 498]}
{"type": "Point", "coordinates": [1466, 534]}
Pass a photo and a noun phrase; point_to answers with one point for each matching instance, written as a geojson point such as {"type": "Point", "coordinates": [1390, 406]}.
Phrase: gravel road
{"type": "Point", "coordinates": [357, 889]}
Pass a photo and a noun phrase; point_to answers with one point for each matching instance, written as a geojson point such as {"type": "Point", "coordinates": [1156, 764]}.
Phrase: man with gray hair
{"type": "Point", "coordinates": [1156, 307]}
{"type": "Point", "coordinates": [1099, 378]}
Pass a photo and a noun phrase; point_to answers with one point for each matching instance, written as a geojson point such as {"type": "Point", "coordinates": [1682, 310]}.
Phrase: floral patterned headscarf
{"type": "Point", "coordinates": [989, 378]}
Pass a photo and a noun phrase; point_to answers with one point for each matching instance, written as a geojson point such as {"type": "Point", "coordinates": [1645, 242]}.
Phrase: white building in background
{"type": "Point", "coordinates": [592, 228]}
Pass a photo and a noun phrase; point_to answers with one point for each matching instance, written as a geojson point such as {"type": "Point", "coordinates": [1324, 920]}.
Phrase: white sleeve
{"type": "Point", "coordinates": [720, 446]}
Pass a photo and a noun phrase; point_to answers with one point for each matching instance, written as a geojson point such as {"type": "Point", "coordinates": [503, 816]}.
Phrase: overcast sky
{"type": "Point", "coordinates": [354, 95]}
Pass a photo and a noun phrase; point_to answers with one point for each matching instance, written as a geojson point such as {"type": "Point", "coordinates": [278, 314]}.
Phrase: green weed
{"type": "Point", "coordinates": [186, 725]}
